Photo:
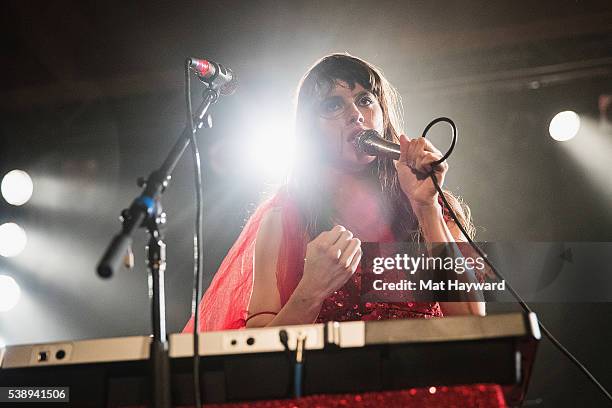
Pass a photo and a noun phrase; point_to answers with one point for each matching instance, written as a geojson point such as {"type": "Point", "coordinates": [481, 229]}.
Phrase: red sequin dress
{"type": "Point", "coordinates": [344, 305]}
{"type": "Point", "coordinates": [225, 303]}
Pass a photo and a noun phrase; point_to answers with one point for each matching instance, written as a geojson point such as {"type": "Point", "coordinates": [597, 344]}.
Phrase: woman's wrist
{"type": "Point", "coordinates": [432, 223]}
{"type": "Point", "coordinates": [426, 210]}
{"type": "Point", "coordinates": [307, 297]}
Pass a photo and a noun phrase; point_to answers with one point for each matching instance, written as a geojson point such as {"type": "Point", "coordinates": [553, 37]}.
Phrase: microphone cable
{"type": "Point", "coordinates": [197, 241]}
{"type": "Point", "coordinates": [498, 274]}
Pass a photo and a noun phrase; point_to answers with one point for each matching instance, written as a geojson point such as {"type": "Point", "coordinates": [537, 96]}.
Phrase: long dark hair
{"type": "Point", "coordinates": [305, 179]}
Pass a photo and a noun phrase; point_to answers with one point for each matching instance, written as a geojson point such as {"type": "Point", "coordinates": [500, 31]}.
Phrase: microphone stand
{"type": "Point", "coordinates": [146, 211]}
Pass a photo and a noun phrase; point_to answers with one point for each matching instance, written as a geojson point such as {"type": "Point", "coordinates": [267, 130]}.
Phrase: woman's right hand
{"type": "Point", "coordinates": [331, 259]}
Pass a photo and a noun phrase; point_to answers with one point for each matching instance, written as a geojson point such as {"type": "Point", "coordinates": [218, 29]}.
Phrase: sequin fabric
{"type": "Point", "coordinates": [478, 395]}
{"type": "Point", "coordinates": [345, 305]}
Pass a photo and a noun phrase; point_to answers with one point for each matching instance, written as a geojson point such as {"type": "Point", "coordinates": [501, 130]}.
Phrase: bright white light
{"type": "Point", "coordinates": [13, 239]}
{"type": "Point", "coordinates": [432, 390]}
{"type": "Point", "coordinates": [17, 187]}
{"type": "Point", "coordinates": [2, 343]}
{"type": "Point", "coordinates": [564, 126]}
{"type": "Point", "coordinates": [272, 152]}
{"type": "Point", "coordinates": [9, 293]}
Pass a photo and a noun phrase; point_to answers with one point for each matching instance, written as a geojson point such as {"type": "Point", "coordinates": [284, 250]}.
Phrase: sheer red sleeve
{"type": "Point", "coordinates": [225, 303]}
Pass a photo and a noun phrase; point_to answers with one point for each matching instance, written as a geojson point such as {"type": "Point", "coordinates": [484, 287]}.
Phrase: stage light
{"type": "Point", "coordinates": [432, 390]}
{"type": "Point", "coordinates": [593, 154]}
{"type": "Point", "coordinates": [13, 239]}
{"type": "Point", "coordinates": [564, 126]}
{"type": "Point", "coordinates": [9, 293]}
{"type": "Point", "coordinates": [271, 151]}
{"type": "Point", "coordinates": [17, 187]}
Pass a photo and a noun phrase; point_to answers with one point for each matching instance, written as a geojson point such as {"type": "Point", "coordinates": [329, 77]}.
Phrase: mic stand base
{"type": "Point", "coordinates": [160, 367]}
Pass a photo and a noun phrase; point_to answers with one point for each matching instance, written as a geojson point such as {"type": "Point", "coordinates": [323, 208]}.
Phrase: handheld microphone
{"type": "Point", "coordinates": [214, 75]}
{"type": "Point", "coordinates": [370, 142]}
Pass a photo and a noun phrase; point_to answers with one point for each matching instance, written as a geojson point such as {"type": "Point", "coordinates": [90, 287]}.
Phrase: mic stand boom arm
{"type": "Point", "coordinates": [146, 211]}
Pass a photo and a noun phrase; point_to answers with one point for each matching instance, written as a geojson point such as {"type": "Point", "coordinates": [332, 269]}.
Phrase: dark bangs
{"type": "Point", "coordinates": [339, 67]}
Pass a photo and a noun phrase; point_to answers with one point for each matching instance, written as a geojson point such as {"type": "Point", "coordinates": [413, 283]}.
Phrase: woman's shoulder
{"type": "Point", "coordinates": [271, 223]}
{"type": "Point", "coordinates": [280, 212]}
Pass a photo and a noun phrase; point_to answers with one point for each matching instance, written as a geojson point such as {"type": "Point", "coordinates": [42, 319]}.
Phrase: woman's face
{"type": "Point", "coordinates": [341, 116]}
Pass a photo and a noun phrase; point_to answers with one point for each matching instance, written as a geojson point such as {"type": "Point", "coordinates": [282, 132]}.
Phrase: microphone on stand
{"type": "Point", "coordinates": [371, 143]}
{"type": "Point", "coordinates": [214, 75]}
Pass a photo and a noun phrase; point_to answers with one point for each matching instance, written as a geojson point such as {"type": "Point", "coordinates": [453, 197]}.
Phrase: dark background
{"type": "Point", "coordinates": [92, 98]}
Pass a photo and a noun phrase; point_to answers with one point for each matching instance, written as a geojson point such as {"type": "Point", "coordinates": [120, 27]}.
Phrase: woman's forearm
{"type": "Point", "coordinates": [302, 307]}
{"type": "Point", "coordinates": [431, 221]}
{"type": "Point", "coordinates": [435, 229]}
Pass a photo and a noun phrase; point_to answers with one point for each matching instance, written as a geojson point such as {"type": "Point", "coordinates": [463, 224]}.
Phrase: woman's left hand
{"type": "Point", "coordinates": [413, 167]}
